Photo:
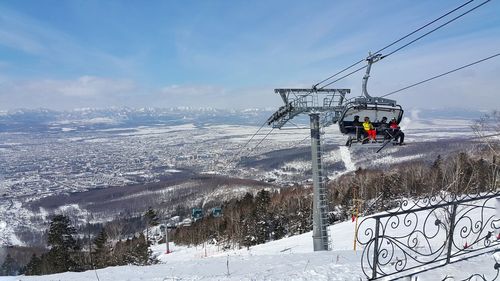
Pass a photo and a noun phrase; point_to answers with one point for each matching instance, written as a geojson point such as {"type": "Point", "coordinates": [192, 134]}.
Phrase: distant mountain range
{"type": "Point", "coordinates": [93, 118]}
{"type": "Point", "coordinates": [41, 119]}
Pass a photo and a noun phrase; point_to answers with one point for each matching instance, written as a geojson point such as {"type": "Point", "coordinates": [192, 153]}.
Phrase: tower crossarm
{"type": "Point", "coordinates": [297, 101]}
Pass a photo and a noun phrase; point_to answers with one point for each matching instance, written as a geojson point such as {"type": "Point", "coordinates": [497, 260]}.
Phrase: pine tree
{"type": "Point", "coordinates": [9, 267]}
{"type": "Point", "coordinates": [151, 220]}
{"type": "Point", "coordinates": [34, 266]}
{"type": "Point", "coordinates": [262, 216]}
{"type": "Point", "coordinates": [141, 250]}
{"type": "Point", "coordinates": [278, 226]}
{"type": "Point", "coordinates": [62, 245]}
{"type": "Point", "coordinates": [136, 251]}
{"type": "Point", "coordinates": [101, 253]}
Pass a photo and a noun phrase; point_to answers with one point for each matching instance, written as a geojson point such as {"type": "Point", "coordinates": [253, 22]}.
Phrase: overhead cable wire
{"type": "Point", "coordinates": [234, 162]}
{"type": "Point", "coordinates": [257, 134]}
{"type": "Point", "coordinates": [241, 148]}
{"type": "Point", "coordinates": [230, 166]}
{"type": "Point", "coordinates": [255, 147]}
{"type": "Point", "coordinates": [440, 75]}
{"type": "Point", "coordinates": [395, 42]}
{"type": "Point", "coordinates": [434, 29]}
{"type": "Point", "coordinates": [411, 42]}
{"type": "Point", "coordinates": [348, 74]}
{"type": "Point", "coordinates": [341, 71]}
{"type": "Point", "coordinates": [424, 26]}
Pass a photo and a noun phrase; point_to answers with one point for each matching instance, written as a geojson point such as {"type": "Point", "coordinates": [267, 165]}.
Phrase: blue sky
{"type": "Point", "coordinates": [232, 54]}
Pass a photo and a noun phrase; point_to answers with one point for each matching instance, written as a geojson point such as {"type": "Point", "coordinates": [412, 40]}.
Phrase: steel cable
{"type": "Point", "coordinates": [391, 44]}
{"type": "Point", "coordinates": [440, 75]}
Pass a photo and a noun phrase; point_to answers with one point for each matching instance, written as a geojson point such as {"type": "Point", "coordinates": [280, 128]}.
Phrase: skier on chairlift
{"type": "Point", "coordinates": [396, 131]}
{"type": "Point", "coordinates": [369, 129]}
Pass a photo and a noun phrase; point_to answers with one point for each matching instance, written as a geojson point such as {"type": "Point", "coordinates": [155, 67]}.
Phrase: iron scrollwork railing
{"type": "Point", "coordinates": [421, 235]}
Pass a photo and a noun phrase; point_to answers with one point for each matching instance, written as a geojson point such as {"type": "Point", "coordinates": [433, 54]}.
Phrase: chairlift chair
{"type": "Point", "coordinates": [216, 212]}
{"type": "Point", "coordinates": [373, 107]}
{"type": "Point", "coordinates": [196, 213]}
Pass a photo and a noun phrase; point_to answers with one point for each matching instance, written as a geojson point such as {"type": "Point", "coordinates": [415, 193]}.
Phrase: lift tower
{"type": "Point", "coordinates": [324, 107]}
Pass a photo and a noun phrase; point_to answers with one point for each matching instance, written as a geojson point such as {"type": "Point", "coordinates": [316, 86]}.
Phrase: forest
{"type": "Point", "coordinates": [254, 218]}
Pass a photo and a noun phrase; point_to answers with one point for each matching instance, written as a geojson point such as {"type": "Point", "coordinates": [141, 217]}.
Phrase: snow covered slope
{"type": "Point", "coordinates": [286, 259]}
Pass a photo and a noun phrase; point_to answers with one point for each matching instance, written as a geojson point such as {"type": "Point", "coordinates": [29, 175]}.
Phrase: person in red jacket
{"type": "Point", "coordinates": [396, 131]}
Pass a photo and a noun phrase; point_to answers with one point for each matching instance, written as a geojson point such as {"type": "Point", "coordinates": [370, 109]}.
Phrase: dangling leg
{"type": "Point", "coordinates": [373, 135]}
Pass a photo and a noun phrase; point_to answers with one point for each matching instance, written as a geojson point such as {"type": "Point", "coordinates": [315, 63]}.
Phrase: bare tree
{"type": "Point", "coordinates": [488, 129]}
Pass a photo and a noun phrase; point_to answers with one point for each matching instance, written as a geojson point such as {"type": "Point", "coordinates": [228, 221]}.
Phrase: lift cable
{"type": "Point", "coordinates": [266, 135]}
{"type": "Point", "coordinates": [393, 43]}
{"type": "Point", "coordinates": [407, 44]}
{"type": "Point", "coordinates": [398, 49]}
{"type": "Point", "coordinates": [397, 41]}
{"type": "Point", "coordinates": [440, 75]}
{"type": "Point", "coordinates": [255, 147]}
{"type": "Point", "coordinates": [241, 148]}
{"type": "Point", "coordinates": [438, 27]}
{"type": "Point", "coordinates": [348, 74]}
{"type": "Point", "coordinates": [234, 162]}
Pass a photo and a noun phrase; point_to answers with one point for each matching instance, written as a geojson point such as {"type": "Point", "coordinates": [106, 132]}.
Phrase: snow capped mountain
{"type": "Point", "coordinates": [123, 116]}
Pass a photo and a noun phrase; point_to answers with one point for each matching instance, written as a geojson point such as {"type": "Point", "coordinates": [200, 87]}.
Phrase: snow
{"type": "Point", "coordinates": [172, 171]}
{"type": "Point", "coordinates": [346, 157]}
{"type": "Point", "coordinates": [393, 160]}
{"type": "Point", "coordinates": [290, 258]}
{"type": "Point", "coordinates": [144, 130]}
{"type": "Point", "coordinates": [92, 121]}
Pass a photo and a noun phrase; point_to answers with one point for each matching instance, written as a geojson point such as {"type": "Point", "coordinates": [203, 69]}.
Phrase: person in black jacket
{"type": "Point", "coordinates": [358, 127]}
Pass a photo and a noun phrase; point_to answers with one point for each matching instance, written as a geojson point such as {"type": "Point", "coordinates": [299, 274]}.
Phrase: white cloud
{"type": "Point", "coordinates": [239, 70]}
{"type": "Point", "coordinates": [18, 41]}
{"type": "Point", "coordinates": [191, 91]}
{"type": "Point", "coordinates": [65, 94]}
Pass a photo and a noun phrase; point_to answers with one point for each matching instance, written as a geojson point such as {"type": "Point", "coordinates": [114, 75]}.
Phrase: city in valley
{"type": "Point", "coordinates": [75, 164]}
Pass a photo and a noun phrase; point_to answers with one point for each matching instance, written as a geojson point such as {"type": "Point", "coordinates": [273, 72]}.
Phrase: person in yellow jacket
{"type": "Point", "coordinates": [369, 129]}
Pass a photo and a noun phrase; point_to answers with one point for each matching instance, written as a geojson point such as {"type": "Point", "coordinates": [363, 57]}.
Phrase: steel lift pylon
{"type": "Point", "coordinates": [324, 107]}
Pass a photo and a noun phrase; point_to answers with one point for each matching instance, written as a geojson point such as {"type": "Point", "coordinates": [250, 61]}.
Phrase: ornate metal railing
{"type": "Point", "coordinates": [421, 235]}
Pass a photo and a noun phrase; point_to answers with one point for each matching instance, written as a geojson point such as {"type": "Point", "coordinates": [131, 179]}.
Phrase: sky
{"type": "Point", "coordinates": [232, 54]}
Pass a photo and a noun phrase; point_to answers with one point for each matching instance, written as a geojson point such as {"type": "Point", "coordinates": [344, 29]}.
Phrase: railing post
{"type": "Point", "coordinates": [450, 234]}
{"type": "Point", "coordinates": [375, 249]}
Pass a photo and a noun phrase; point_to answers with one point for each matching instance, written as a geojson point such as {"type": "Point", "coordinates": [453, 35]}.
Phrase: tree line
{"type": "Point", "coordinates": [67, 251]}
{"type": "Point", "coordinates": [270, 215]}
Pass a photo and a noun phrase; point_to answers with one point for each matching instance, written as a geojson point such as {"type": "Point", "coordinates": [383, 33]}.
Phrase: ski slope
{"type": "Point", "coordinates": [290, 258]}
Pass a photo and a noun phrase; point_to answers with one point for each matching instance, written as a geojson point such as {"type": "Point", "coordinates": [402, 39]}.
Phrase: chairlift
{"type": "Point", "coordinates": [196, 214]}
{"type": "Point", "coordinates": [374, 108]}
{"type": "Point", "coordinates": [216, 212]}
